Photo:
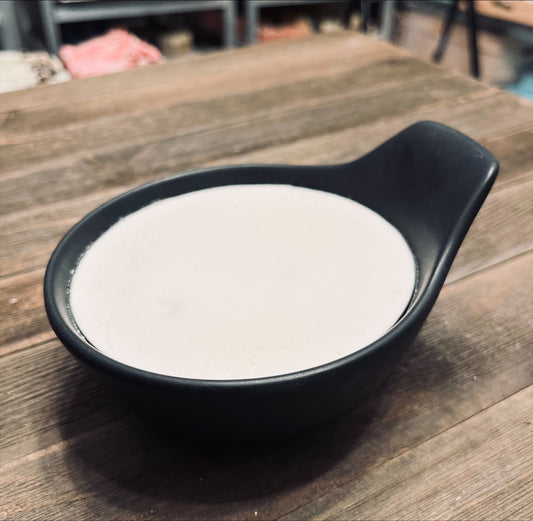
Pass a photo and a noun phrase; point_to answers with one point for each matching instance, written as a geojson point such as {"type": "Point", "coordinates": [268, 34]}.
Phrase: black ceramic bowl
{"type": "Point", "coordinates": [429, 181]}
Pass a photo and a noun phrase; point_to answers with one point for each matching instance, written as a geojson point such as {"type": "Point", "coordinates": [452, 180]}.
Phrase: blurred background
{"type": "Point", "coordinates": [50, 41]}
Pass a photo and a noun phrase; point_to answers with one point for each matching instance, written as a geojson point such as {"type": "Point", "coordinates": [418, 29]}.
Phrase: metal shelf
{"type": "Point", "coordinates": [55, 13]}
{"type": "Point", "coordinates": [9, 29]}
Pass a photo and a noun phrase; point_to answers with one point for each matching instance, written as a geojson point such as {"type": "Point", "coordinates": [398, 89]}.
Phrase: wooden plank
{"type": "Point", "coordinates": [508, 136]}
{"type": "Point", "coordinates": [49, 371]}
{"type": "Point", "coordinates": [502, 229]}
{"type": "Point", "coordinates": [513, 149]}
{"type": "Point", "coordinates": [511, 501]}
{"type": "Point", "coordinates": [266, 64]}
{"type": "Point", "coordinates": [439, 477]}
{"type": "Point", "coordinates": [371, 133]}
{"type": "Point", "coordinates": [211, 84]}
{"type": "Point", "coordinates": [29, 236]}
{"type": "Point", "coordinates": [472, 351]}
{"type": "Point", "coordinates": [22, 311]}
{"type": "Point", "coordinates": [130, 163]}
{"type": "Point", "coordinates": [149, 125]}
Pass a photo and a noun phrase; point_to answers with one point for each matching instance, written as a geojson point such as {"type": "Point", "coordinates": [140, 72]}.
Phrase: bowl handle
{"type": "Point", "coordinates": [429, 181]}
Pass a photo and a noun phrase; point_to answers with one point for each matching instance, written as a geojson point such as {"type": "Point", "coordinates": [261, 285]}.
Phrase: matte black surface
{"type": "Point", "coordinates": [429, 181]}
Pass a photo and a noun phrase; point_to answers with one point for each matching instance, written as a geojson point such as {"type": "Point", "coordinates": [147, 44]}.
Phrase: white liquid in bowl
{"type": "Point", "coordinates": [242, 281]}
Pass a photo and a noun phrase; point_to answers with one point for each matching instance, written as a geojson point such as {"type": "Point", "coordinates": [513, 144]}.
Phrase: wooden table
{"type": "Point", "coordinates": [450, 434]}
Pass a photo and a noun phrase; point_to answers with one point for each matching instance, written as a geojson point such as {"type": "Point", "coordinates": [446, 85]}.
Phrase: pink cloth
{"type": "Point", "coordinates": [115, 51]}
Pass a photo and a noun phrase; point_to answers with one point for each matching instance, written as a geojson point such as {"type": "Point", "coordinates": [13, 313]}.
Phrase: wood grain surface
{"type": "Point", "coordinates": [448, 436]}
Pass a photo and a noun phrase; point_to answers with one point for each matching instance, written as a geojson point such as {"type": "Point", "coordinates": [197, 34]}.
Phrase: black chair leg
{"type": "Point", "coordinates": [473, 53]}
{"type": "Point", "coordinates": [446, 30]}
{"type": "Point", "coordinates": [472, 39]}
